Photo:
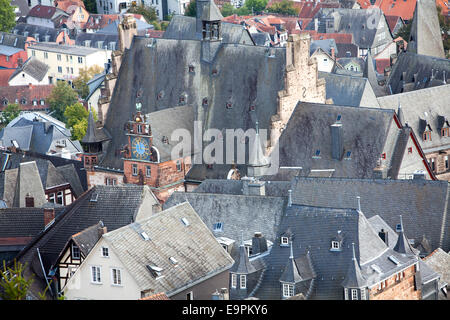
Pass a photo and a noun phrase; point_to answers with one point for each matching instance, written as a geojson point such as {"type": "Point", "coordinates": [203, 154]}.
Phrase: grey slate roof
{"type": "Point", "coordinates": [22, 135]}
{"type": "Point", "coordinates": [374, 78]}
{"type": "Point", "coordinates": [439, 261]}
{"type": "Point", "coordinates": [326, 45]}
{"type": "Point", "coordinates": [425, 36]}
{"type": "Point", "coordinates": [9, 40]}
{"type": "Point", "coordinates": [115, 206]}
{"type": "Point", "coordinates": [237, 213]}
{"type": "Point", "coordinates": [197, 252]}
{"type": "Point", "coordinates": [87, 238]}
{"type": "Point", "coordinates": [366, 131]}
{"type": "Point", "coordinates": [242, 263]}
{"type": "Point", "coordinates": [431, 105]}
{"type": "Point", "coordinates": [34, 68]}
{"type": "Point", "coordinates": [38, 32]}
{"type": "Point", "coordinates": [96, 40]}
{"type": "Point", "coordinates": [423, 204]}
{"type": "Point", "coordinates": [63, 48]}
{"type": "Point", "coordinates": [349, 90]}
{"type": "Point", "coordinates": [93, 133]}
{"type": "Point", "coordinates": [343, 48]}
{"type": "Point", "coordinates": [112, 28]}
{"type": "Point", "coordinates": [429, 71]}
{"type": "Point", "coordinates": [354, 278]}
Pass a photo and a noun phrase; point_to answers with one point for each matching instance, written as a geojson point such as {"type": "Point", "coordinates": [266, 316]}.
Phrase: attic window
{"type": "Point", "coordinates": [338, 118]}
{"type": "Point", "coordinates": [218, 227]}
{"type": "Point", "coordinates": [317, 154]}
{"type": "Point", "coordinates": [94, 197]}
{"type": "Point", "coordinates": [398, 227]}
{"type": "Point", "coordinates": [252, 108]}
{"type": "Point", "coordinates": [410, 150]}
{"type": "Point", "coordinates": [445, 132]}
{"type": "Point", "coordinates": [394, 260]}
{"type": "Point", "coordinates": [160, 95]}
{"type": "Point", "coordinates": [23, 101]}
{"type": "Point", "coordinates": [348, 155]}
{"type": "Point", "coordinates": [173, 260]}
{"type": "Point", "coordinates": [426, 135]}
{"type": "Point", "coordinates": [185, 221]}
{"type": "Point", "coordinates": [284, 241]}
{"type": "Point", "coordinates": [205, 102]}
{"type": "Point", "coordinates": [182, 99]}
{"type": "Point", "coordinates": [383, 156]}
{"type": "Point", "coordinates": [191, 68]}
{"type": "Point", "coordinates": [335, 246]}
{"type": "Point", "coordinates": [154, 271]}
{"type": "Point", "coordinates": [228, 105]}
{"type": "Point", "coordinates": [376, 268]}
{"type": "Point", "coordinates": [145, 236]}
{"type": "Point", "coordinates": [165, 140]}
{"type": "Point", "coordinates": [75, 252]}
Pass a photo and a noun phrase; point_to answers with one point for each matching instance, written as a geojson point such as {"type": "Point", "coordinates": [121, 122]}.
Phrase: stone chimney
{"type": "Point", "coordinates": [259, 243]}
{"type": "Point", "coordinates": [127, 30]}
{"type": "Point", "coordinates": [337, 141]}
{"type": "Point", "coordinates": [49, 216]}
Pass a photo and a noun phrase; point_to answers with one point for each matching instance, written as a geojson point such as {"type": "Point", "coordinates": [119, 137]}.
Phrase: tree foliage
{"type": "Point", "coordinates": [91, 6]}
{"type": "Point", "coordinates": [86, 74]}
{"type": "Point", "coordinates": [285, 7]}
{"type": "Point", "coordinates": [191, 9]}
{"type": "Point", "coordinates": [61, 96]}
{"type": "Point", "coordinates": [13, 283]}
{"type": "Point", "coordinates": [444, 23]}
{"type": "Point", "coordinates": [7, 16]}
{"type": "Point", "coordinates": [256, 6]}
{"type": "Point", "coordinates": [227, 9]}
{"type": "Point", "coordinates": [9, 113]}
{"type": "Point", "coordinates": [77, 120]}
{"type": "Point", "coordinates": [149, 13]}
{"type": "Point", "coordinates": [404, 32]}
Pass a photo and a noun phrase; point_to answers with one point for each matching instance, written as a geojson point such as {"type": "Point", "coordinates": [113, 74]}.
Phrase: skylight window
{"type": "Point", "coordinates": [376, 268]}
{"type": "Point", "coordinates": [218, 226]}
{"type": "Point", "coordinates": [173, 260]}
{"type": "Point", "coordinates": [185, 221]}
{"type": "Point", "coordinates": [338, 119]}
{"type": "Point", "coordinates": [394, 260]}
{"type": "Point", "coordinates": [155, 271]}
{"type": "Point", "coordinates": [145, 236]}
{"type": "Point", "coordinates": [94, 197]}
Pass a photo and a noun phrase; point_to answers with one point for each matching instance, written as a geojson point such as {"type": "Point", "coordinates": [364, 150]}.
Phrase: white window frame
{"type": "Point", "coordinates": [363, 294]}
{"type": "Point", "coordinates": [51, 198]}
{"type": "Point", "coordinates": [335, 245]}
{"type": "Point", "coordinates": [103, 252]}
{"type": "Point", "coordinates": [134, 169]}
{"type": "Point", "coordinates": [288, 290]}
{"type": "Point", "coordinates": [345, 293]}
{"type": "Point", "coordinates": [354, 294]}
{"type": "Point", "coordinates": [148, 171]}
{"type": "Point", "coordinates": [234, 280]}
{"type": "Point", "coordinates": [60, 196]}
{"type": "Point", "coordinates": [118, 281]}
{"type": "Point", "coordinates": [284, 241]}
{"type": "Point", "coordinates": [243, 281]}
{"type": "Point", "coordinates": [96, 274]}
{"type": "Point", "coordinates": [73, 246]}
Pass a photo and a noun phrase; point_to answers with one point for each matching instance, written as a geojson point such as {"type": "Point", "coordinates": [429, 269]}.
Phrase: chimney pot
{"type": "Point", "coordinates": [49, 215]}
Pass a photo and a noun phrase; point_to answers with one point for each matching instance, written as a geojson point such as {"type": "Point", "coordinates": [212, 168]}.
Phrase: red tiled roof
{"type": "Point", "coordinates": [157, 296]}
{"type": "Point", "coordinates": [155, 33]}
{"type": "Point", "coordinates": [404, 9]}
{"type": "Point", "coordinates": [30, 93]}
{"type": "Point", "coordinates": [66, 4]}
{"type": "Point", "coordinates": [40, 11]}
{"type": "Point", "coordinates": [381, 64]}
{"type": "Point", "coordinates": [104, 20]}
{"type": "Point", "coordinates": [4, 76]}
{"type": "Point", "coordinates": [364, 4]}
{"type": "Point", "coordinates": [392, 21]}
{"type": "Point", "coordinates": [445, 6]}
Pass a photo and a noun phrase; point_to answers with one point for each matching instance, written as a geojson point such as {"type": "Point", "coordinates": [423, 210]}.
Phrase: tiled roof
{"type": "Point", "coordinates": [17, 94]}
{"type": "Point", "coordinates": [157, 296]}
{"type": "Point", "coordinates": [338, 37]}
{"type": "Point", "coordinates": [404, 9]}
{"type": "Point", "coordinates": [392, 22]}
{"type": "Point", "coordinates": [33, 67]}
{"type": "Point", "coordinates": [198, 255]}
{"type": "Point", "coordinates": [66, 4]}
{"type": "Point", "coordinates": [382, 64]}
{"type": "Point", "coordinates": [5, 74]}
{"type": "Point", "coordinates": [43, 12]}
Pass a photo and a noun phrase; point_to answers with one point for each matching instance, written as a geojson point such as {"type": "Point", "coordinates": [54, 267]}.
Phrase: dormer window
{"type": "Point", "coordinates": [288, 290]}
{"type": "Point", "coordinates": [75, 252]}
{"type": "Point", "coordinates": [205, 102]}
{"type": "Point", "coordinates": [426, 136]}
{"type": "Point", "coordinates": [229, 105]}
{"type": "Point", "coordinates": [354, 294]}
{"type": "Point", "coordinates": [243, 281]}
{"type": "Point", "coordinates": [383, 156]}
{"type": "Point", "coordinates": [335, 245]}
{"type": "Point", "coordinates": [445, 132]}
{"type": "Point", "coordinates": [218, 227]}
{"type": "Point", "coordinates": [284, 241]}
{"type": "Point", "coordinates": [233, 280]}
{"type": "Point", "coordinates": [155, 271]}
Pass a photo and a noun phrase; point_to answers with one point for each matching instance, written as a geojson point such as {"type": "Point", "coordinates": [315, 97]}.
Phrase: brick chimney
{"type": "Point", "coordinates": [102, 230]}
{"type": "Point", "coordinates": [29, 201]}
{"type": "Point", "coordinates": [49, 215]}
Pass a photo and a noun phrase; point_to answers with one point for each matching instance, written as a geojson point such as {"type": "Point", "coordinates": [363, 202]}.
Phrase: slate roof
{"type": "Point", "coordinates": [37, 32]}
{"type": "Point", "coordinates": [87, 238]}
{"type": "Point", "coordinates": [237, 213]}
{"type": "Point", "coordinates": [429, 70]}
{"type": "Point", "coordinates": [112, 28]}
{"type": "Point", "coordinates": [22, 135]}
{"type": "Point", "coordinates": [439, 261]}
{"type": "Point", "coordinates": [96, 40]}
{"type": "Point", "coordinates": [33, 67]}
{"type": "Point", "coordinates": [63, 48]}
{"type": "Point", "coordinates": [8, 40]}
{"type": "Point", "coordinates": [426, 202]}
{"type": "Point", "coordinates": [309, 130]}
{"type": "Point", "coordinates": [326, 45]}
{"type": "Point", "coordinates": [425, 36]}
{"type": "Point", "coordinates": [348, 90]}
{"type": "Point", "coordinates": [94, 134]}
{"type": "Point", "coordinates": [343, 48]}
{"type": "Point", "coordinates": [198, 254]}
{"type": "Point", "coordinates": [115, 206]}
{"type": "Point", "coordinates": [328, 277]}
{"type": "Point", "coordinates": [430, 105]}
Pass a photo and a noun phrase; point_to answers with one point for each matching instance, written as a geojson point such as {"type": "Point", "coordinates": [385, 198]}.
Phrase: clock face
{"type": "Point", "coordinates": [140, 149]}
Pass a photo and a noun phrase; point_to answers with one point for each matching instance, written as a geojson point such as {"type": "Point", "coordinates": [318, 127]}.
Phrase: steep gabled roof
{"type": "Point", "coordinates": [33, 67]}
{"type": "Point", "coordinates": [94, 134]}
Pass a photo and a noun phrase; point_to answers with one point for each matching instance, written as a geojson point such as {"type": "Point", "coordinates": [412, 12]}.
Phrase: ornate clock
{"type": "Point", "coordinates": [140, 149]}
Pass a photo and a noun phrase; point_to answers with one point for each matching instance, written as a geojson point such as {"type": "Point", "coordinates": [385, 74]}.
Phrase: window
{"type": "Point", "coordinates": [35, 102]}
{"type": "Point", "coordinates": [42, 102]}
{"type": "Point", "coordinates": [284, 241]}
{"type": "Point", "coordinates": [191, 68]}
{"type": "Point", "coordinates": [185, 221]}
{"type": "Point", "coordinates": [445, 132]}
{"type": "Point", "coordinates": [46, 55]}
{"type": "Point", "coordinates": [110, 181]}
{"type": "Point", "coordinates": [233, 280]}
{"type": "Point", "coordinates": [446, 162]}
{"type": "Point", "coordinates": [71, 70]}
{"type": "Point", "coordinates": [33, 53]}
{"type": "Point", "coordinates": [148, 171]}
{"type": "Point", "coordinates": [116, 277]}
{"type": "Point", "coordinates": [80, 59]}
{"type": "Point", "coordinates": [60, 69]}
{"type": "Point", "coordinates": [288, 290]}
{"type": "Point", "coordinates": [134, 168]}
{"type": "Point", "coordinates": [59, 57]}
{"type": "Point", "coordinates": [354, 294]}
{"type": "Point", "coordinates": [75, 252]}
{"type": "Point", "coordinates": [190, 296]}
{"type": "Point", "coordinates": [51, 198]}
{"type": "Point", "coordinates": [345, 293]}
{"type": "Point", "coordinates": [105, 252]}
{"type": "Point", "coordinates": [178, 165]}
{"type": "Point", "coordinates": [426, 135]}
{"type": "Point", "coordinates": [96, 274]}
{"type": "Point", "coordinates": [363, 294]}
{"type": "Point", "coordinates": [59, 197]}
{"type": "Point", "coordinates": [243, 281]}
{"type": "Point", "coordinates": [432, 164]}
{"type": "Point", "coordinates": [218, 227]}
{"type": "Point", "coordinates": [409, 150]}
{"type": "Point", "coordinates": [335, 245]}
{"type": "Point", "coordinates": [67, 69]}
{"type": "Point", "coordinates": [383, 156]}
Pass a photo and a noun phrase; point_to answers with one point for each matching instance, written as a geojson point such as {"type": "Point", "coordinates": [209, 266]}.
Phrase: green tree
{"type": "Point", "coordinates": [243, 11]}
{"type": "Point", "coordinates": [404, 32]}
{"type": "Point", "coordinates": [256, 6]}
{"type": "Point", "coordinates": [61, 96]}
{"type": "Point", "coordinates": [227, 9]}
{"type": "Point", "coordinates": [77, 120]}
{"type": "Point", "coordinates": [149, 13]}
{"type": "Point", "coordinates": [86, 74]}
{"type": "Point", "coordinates": [90, 5]}
{"type": "Point", "coordinates": [191, 9]}
{"type": "Point", "coordinates": [13, 283]}
{"type": "Point", "coordinates": [444, 23]}
{"type": "Point", "coordinates": [284, 7]}
{"type": "Point", "coordinates": [11, 111]}
{"type": "Point", "coordinates": [7, 16]}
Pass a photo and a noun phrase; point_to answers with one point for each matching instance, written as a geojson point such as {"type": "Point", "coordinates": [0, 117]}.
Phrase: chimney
{"type": "Point", "coordinates": [259, 243]}
{"type": "Point", "coordinates": [384, 236]}
{"type": "Point", "coordinates": [332, 53]}
{"type": "Point", "coordinates": [102, 230]}
{"type": "Point", "coordinates": [29, 201]}
{"type": "Point", "coordinates": [337, 141]}
{"type": "Point", "coordinates": [49, 216]}
{"type": "Point", "coordinates": [19, 62]}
